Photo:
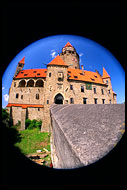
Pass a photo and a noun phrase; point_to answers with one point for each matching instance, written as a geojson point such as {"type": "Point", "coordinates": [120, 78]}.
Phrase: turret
{"type": "Point", "coordinates": [106, 78]}
{"type": "Point", "coordinates": [20, 66]}
{"type": "Point", "coordinates": [70, 56]}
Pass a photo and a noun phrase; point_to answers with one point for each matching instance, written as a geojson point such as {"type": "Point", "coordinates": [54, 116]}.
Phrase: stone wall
{"type": "Point", "coordinates": [36, 113]}
{"type": "Point", "coordinates": [16, 114]}
{"type": "Point", "coordinates": [29, 93]}
{"type": "Point", "coordinates": [83, 134]}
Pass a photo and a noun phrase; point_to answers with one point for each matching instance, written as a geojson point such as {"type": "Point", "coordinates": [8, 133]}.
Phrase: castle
{"type": "Point", "coordinates": [63, 82]}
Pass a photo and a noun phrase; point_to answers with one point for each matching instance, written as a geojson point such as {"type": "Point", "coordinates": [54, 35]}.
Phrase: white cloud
{"type": "Point", "coordinates": [81, 54]}
{"type": "Point", "coordinates": [6, 97]}
{"type": "Point", "coordinates": [53, 53]}
{"type": "Point", "coordinates": [3, 88]}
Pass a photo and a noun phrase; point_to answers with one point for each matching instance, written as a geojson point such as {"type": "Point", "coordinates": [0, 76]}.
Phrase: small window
{"type": "Point", "coordinates": [45, 72]}
{"type": "Point", "coordinates": [82, 88]}
{"type": "Point", "coordinates": [95, 92]}
{"type": "Point", "coordinates": [71, 87]}
{"type": "Point", "coordinates": [25, 74]}
{"type": "Point", "coordinates": [47, 101]}
{"type": "Point", "coordinates": [95, 100]}
{"type": "Point", "coordinates": [84, 100]}
{"type": "Point", "coordinates": [106, 81]}
{"type": "Point", "coordinates": [34, 71]}
{"type": "Point", "coordinates": [17, 95]}
{"type": "Point", "coordinates": [38, 73]}
{"type": "Point", "coordinates": [14, 84]}
{"type": "Point", "coordinates": [109, 91]}
{"type": "Point", "coordinates": [38, 109]}
{"type": "Point", "coordinates": [103, 101]}
{"type": "Point", "coordinates": [71, 100]}
{"type": "Point", "coordinates": [20, 65]}
{"type": "Point", "coordinates": [22, 72]}
{"type": "Point", "coordinates": [37, 96]}
{"type": "Point", "coordinates": [21, 96]}
{"type": "Point", "coordinates": [75, 77]}
{"type": "Point", "coordinates": [102, 91]}
{"type": "Point", "coordinates": [69, 71]}
{"type": "Point", "coordinates": [95, 76]}
{"type": "Point", "coordinates": [69, 51]}
{"type": "Point", "coordinates": [110, 101]}
{"type": "Point", "coordinates": [49, 74]}
{"type": "Point", "coordinates": [92, 79]}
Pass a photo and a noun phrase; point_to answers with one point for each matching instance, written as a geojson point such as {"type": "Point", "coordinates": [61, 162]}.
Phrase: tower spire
{"type": "Point", "coordinates": [105, 74]}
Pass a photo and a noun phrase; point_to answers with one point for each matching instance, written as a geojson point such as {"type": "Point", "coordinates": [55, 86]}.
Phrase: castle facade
{"type": "Point", "coordinates": [63, 82]}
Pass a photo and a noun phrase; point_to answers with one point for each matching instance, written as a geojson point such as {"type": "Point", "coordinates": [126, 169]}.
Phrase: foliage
{"type": "Point", "coordinates": [6, 119]}
{"type": "Point", "coordinates": [33, 140]}
{"type": "Point", "coordinates": [10, 134]}
{"type": "Point", "coordinates": [31, 124]}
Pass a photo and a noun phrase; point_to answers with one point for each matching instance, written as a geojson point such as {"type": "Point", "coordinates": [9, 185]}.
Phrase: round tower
{"type": "Point", "coordinates": [70, 56]}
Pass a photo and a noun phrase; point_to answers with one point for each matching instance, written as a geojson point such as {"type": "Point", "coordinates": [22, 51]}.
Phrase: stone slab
{"type": "Point", "coordinates": [91, 131]}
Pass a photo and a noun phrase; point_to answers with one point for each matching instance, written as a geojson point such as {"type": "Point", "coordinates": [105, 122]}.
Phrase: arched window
{"type": "Point", "coordinates": [39, 83]}
{"type": "Point", "coordinates": [22, 83]}
{"type": "Point", "coordinates": [30, 83]}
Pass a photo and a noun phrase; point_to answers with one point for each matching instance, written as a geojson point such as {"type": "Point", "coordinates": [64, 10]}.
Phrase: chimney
{"type": "Point", "coordinates": [82, 69]}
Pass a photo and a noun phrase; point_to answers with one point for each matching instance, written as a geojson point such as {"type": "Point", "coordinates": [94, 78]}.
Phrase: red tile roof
{"type": "Point", "coordinates": [31, 73]}
{"type": "Point", "coordinates": [58, 61]}
{"type": "Point", "coordinates": [25, 105]}
{"type": "Point", "coordinates": [68, 45]}
{"type": "Point", "coordinates": [105, 74]}
{"type": "Point", "coordinates": [22, 60]}
{"type": "Point", "coordinates": [89, 76]}
{"type": "Point", "coordinates": [75, 74]}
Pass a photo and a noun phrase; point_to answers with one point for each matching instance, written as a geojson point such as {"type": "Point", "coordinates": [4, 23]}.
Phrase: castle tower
{"type": "Point", "coordinates": [20, 66]}
{"type": "Point", "coordinates": [70, 56]}
{"type": "Point", "coordinates": [55, 85]}
{"type": "Point", "coordinates": [107, 80]}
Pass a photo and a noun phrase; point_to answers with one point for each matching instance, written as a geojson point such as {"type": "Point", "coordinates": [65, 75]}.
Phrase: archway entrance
{"type": "Point", "coordinates": [58, 99]}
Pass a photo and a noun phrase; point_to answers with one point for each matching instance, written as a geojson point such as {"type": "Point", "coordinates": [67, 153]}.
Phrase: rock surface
{"type": "Point", "coordinates": [85, 133]}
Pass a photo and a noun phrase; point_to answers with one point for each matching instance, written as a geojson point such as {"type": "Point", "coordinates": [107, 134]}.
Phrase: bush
{"type": "Point", "coordinates": [6, 119]}
{"type": "Point", "coordinates": [30, 124]}
{"type": "Point", "coordinates": [27, 123]}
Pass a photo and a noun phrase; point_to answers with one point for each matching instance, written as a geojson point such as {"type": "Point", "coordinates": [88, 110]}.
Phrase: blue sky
{"type": "Point", "coordinates": [92, 56]}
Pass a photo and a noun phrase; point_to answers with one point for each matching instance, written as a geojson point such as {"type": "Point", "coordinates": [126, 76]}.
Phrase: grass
{"type": "Point", "coordinates": [33, 140]}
